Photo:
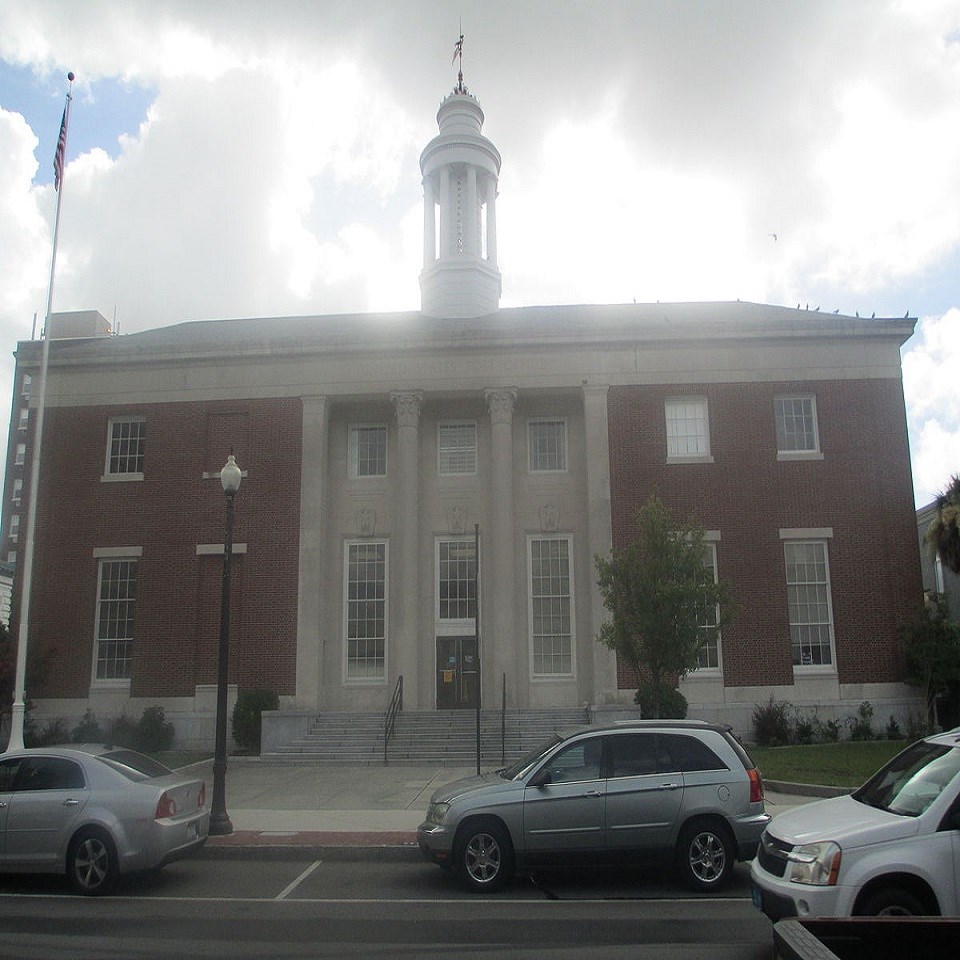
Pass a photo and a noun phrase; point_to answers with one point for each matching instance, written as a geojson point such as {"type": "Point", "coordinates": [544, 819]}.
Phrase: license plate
{"type": "Point", "coordinates": [757, 897]}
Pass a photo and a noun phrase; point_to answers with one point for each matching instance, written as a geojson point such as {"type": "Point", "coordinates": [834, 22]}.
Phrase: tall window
{"type": "Point", "coordinates": [24, 418]}
{"type": "Point", "coordinates": [456, 580]}
{"type": "Point", "coordinates": [551, 607]}
{"type": "Point", "coordinates": [21, 455]}
{"type": "Point", "coordinates": [709, 653]}
{"type": "Point", "coordinates": [688, 430]}
{"type": "Point", "coordinates": [808, 598]}
{"type": "Point", "coordinates": [547, 445]}
{"type": "Point", "coordinates": [14, 526]}
{"type": "Point", "coordinates": [128, 437]}
{"type": "Point", "coordinates": [17, 490]}
{"type": "Point", "coordinates": [366, 610]}
{"type": "Point", "coordinates": [116, 606]}
{"type": "Point", "coordinates": [796, 421]}
{"type": "Point", "coordinates": [457, 448]}
{"type": "Point", "coordinates": [368, 450]}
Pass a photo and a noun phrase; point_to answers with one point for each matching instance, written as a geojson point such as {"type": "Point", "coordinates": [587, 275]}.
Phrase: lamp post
{"type": "Point", "coordinates": [219, 821]}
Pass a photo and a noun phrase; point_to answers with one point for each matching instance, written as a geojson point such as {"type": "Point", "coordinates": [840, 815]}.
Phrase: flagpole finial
{"type": "Point", "coordinates": [70, 76]}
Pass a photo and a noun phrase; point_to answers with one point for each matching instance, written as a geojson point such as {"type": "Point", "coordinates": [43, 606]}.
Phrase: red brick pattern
{"type": "Point", "coordinates": [168, 514]}
{"type": "Point", "coordinates": [862, 488]}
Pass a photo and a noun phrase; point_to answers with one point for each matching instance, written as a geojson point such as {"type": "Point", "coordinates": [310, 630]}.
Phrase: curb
{"type": "Point", "coordinates": [805, 789]}
{"type": "Point", "coordinates": [310, 845]}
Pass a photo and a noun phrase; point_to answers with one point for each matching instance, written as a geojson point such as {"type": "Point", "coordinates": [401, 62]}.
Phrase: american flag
{"type": "Point", "coordinates": [59, 157]}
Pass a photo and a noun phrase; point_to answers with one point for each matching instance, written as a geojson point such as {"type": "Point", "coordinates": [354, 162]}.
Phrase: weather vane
{"type": "Point", "coordinates": [458, 54]}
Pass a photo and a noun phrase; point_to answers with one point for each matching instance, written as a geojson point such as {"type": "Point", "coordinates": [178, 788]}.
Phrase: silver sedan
{"type": "Point", "coordinates": [95, 812]}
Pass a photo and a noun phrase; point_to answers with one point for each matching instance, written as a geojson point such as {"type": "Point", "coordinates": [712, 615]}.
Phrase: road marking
{"type": "Point", "coordinates": [282, 895]}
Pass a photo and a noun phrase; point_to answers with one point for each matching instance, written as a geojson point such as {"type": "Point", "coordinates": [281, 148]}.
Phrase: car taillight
{"type": "Point", "coordinates": [166, 807]}
{"type": "Point", "coordinates": [202, 797]}
{"type": "Point", "coordinates": [756, 785]}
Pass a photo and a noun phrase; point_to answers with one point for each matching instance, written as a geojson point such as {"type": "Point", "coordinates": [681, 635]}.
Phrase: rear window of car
{"type": "Point", "coordinates": [133, 765]}
{"type": "Point", "coordinates": [690, 754]}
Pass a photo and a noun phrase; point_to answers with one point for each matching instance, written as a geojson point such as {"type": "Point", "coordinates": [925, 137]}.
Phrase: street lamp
{"type": "Point", "coordinates": [219, 821]}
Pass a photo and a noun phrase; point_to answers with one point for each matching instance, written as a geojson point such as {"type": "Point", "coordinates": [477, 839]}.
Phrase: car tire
{"type": "Point", "coordinates": [484, 856]}
{"type": "Point", "coordinates": [892, 902]}
{"type": "Point", "coordinates": [92, 864]}
{"type": "Point", "coordinates": [705, 855]}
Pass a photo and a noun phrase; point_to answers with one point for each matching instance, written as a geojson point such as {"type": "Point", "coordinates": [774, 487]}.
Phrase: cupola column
{"type": "Point", "coordinates": [429, 223]}
{"type": "Point", "coordinates": [491, 191]}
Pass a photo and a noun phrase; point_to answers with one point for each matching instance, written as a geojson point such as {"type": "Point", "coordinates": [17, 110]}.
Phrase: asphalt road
{"type": "Point", "coordinates": [297, 908]}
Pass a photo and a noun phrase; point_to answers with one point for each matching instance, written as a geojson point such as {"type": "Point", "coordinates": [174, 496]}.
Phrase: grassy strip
{"type": "Point", "coordinates": [845, 764]}
{"type": "Point", "coordinates": [180, 758]}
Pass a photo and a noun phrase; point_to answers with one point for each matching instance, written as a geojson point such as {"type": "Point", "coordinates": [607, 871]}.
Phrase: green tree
{"type": "Point", "coordinates": [943, 534]}
{"type": "Point", "coordinates": [931, 647]}
{"type": "Point", "coordinates": [662, 600]}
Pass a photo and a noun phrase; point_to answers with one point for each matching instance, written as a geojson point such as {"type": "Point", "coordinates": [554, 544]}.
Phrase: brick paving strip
{"type": "Point", "coordinates": [314, 838]}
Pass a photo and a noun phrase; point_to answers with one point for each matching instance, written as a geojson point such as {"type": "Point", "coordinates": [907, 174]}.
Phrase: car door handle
{"type": "Point", "coordinates": [593, 793]}
{"type": "Point", "coordinates": [669, 786]}
{"type": "Point", "coordinates": [71, 802]}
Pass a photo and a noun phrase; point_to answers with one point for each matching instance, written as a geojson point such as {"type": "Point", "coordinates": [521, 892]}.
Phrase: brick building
{"type": "Point", "coordinates": [374, 446]}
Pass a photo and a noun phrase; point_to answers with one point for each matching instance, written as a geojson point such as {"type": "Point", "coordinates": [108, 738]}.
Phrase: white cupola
{"type": "Point", "coordinates": [460, 167]}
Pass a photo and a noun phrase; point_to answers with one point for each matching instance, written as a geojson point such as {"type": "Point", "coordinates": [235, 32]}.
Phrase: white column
{"type": "Point", "coordinates": [313, 510]}
{"type": "Point", "coordinates": [492, 221]}
{"type": "Point", "coordinates": [446, 214]}
{"type": "Point", "coordinates": [503, 646]}
{"type": "Point", "coordinates": [599, 533]}
{"type": "Point", "coordinates": [404, 562]}
{"type": "Point", "coordinates": [471, 238]}
{"type": "Point", "coordinates": [429, 224]}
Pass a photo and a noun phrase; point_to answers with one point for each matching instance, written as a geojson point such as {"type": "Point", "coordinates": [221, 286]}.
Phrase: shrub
{"type": "Point", "coordinates": [805, 731]}
{"type": "Point", "coordinates": [771, 723]}
{"type": "Point", "coordinates": [827, 731]}
{"type": "Point", "coordinates": [672, 703]}
{"type": "Point", "coordinates": [88, 730]}
{"type": "Point", "coordinates": [918, 726]}
{"type": "Point", "coordinates": [893, 729]}
{"type": "Point", "coordinates": [54, 732]}
{"type": "Point", "coordinates": [153, 733]}
{"type": "Point", "coordinates": [861, 726]}
{"type": "Point", "coordinates": [246, 716]}
{"type": "Point", "coordinates": [121, 731]}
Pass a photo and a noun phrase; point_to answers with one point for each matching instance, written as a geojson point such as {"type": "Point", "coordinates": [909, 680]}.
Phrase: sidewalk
{"type": "Point", "coordinates": [369, 812]}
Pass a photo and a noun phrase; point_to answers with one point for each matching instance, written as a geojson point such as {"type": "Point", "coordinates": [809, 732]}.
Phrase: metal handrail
{"type": "Point", "coordinates": [396, 705]}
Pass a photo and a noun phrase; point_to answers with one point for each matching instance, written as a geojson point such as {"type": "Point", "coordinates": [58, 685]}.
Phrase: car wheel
{"type": "Point", "coordinates": [485, 856]}
{"type": "Point", "coordinates": [892, 902]}
{"type": "Point", "coordinates": [92, 864]}
{"type": "Point", "coordinates": [705, 856]}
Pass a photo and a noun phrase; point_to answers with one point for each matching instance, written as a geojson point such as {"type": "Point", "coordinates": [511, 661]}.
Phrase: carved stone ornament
{"type": "Point", "coordinates": [458, 519]}
{"type": "Point", "coordinates": [549, 518]}
{"type": "Point", "coordinates": [366, 521]}
{"type": "Point", "coordinates": [501, 403]}
{"type": "Point", "coordinates": [407, 408]}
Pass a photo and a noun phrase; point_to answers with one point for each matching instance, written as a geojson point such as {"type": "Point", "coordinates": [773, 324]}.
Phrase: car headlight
{"type": "Point", "coordinates": [437, 811]}
{"type": "Point", "coordinates": [814, 863]}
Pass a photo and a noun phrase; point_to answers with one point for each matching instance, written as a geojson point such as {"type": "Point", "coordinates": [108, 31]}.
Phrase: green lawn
{"type": "Point", "coordinates": [845, 764]}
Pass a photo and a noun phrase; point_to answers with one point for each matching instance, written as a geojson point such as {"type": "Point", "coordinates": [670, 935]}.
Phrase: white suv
{"type": "Point", "coordinates": [890, 848]}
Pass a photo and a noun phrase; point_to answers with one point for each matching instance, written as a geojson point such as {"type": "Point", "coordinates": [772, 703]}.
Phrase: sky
{"type": "Point", "coordinates": [249, 158]}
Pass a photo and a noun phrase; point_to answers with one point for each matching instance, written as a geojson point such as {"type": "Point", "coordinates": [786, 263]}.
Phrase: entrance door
{"type": "Point", "coordinates": [456, 673]}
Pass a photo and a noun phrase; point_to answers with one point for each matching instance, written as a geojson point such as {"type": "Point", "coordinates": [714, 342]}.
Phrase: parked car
{"type": "Point", "coordinates": [684, 790]}
{"type": "Point", "coordinates": [95, 812]}
{"type": "Point", "coordinates": [890, 848]}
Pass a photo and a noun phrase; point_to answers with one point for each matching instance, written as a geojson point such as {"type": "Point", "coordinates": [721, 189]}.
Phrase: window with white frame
{"type": "Point", "coordinates": [551, 606]}
{"type": "Point", "coordinates": [21, 455]}
{"type": "Point", "coordinates": [808, 599]}
{"type": "Point", "coordinates": [24, 418]}
{"type": "Point", "coordinates": [12, 558]}
{"type": "Point", "coordinates": [125, 447]}
{"type": "Point", "coordinates": [17, 490]}
{"type": "Point", "coordinates": [366, 610]}
{"type": "Point", "coordinates": [688, 428]}
{"type": "Point", "coordinates": [796, 423]}
{"type": "Point", "coordinates": [25, 386]}
{"type": "Point", "coordinates": [367, 452]}
{"type": "Point", "coordinates": [116, 609]}
{"type": "Point", "coordinates": [14, 526]}
{"type": "Point", "coordinates": [547, 441]}
{"type": "Point", "coordinates": [708, 656]}
{"type": "Point", "coordinates": [456, 449]}
{"type": "Point", "coordinates": [456, 579]}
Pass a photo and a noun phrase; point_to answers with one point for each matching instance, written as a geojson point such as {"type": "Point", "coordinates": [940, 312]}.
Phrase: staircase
{"type": "Point", "coordinates": [435, 736]}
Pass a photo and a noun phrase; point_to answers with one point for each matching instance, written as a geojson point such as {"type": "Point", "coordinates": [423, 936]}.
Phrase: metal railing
{"type": "Point", "coordinates": [396, 705]}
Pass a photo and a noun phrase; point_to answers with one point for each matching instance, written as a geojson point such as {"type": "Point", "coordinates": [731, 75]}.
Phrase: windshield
{"type": "Point", "coordinates": [912, 780]}
{"type": "Point", "coordinates": [133, 765]}
{"type": "Point", "coordinates": [515, 770]}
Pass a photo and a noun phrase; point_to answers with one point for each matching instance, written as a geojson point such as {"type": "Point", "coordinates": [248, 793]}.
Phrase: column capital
{"type": "Point", "coordinates": [407, 408]}
{"type": "Point", "coordinates": [501, 403]}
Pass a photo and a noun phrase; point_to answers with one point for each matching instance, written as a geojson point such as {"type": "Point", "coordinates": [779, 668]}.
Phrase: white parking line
{"type": "Point", "coordinates": [287, 890]}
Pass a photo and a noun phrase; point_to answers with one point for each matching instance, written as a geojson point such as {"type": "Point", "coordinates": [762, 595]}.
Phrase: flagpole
{"type": "Point", "coordinates": [18, 711]}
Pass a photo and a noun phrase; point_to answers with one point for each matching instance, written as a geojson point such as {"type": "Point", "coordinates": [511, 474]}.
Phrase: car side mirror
{"type": "Point", "coordinates": [541, 778]}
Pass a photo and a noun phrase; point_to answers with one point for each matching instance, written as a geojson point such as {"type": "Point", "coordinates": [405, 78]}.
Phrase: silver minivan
{"type": "Point", "coordinates": [684, 790]}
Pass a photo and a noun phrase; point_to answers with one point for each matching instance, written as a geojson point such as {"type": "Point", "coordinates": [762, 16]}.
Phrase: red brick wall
{"type": "Point", "coordinates": [862, 488]}
{"type": "Point", "coordinates": [168, 514]}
